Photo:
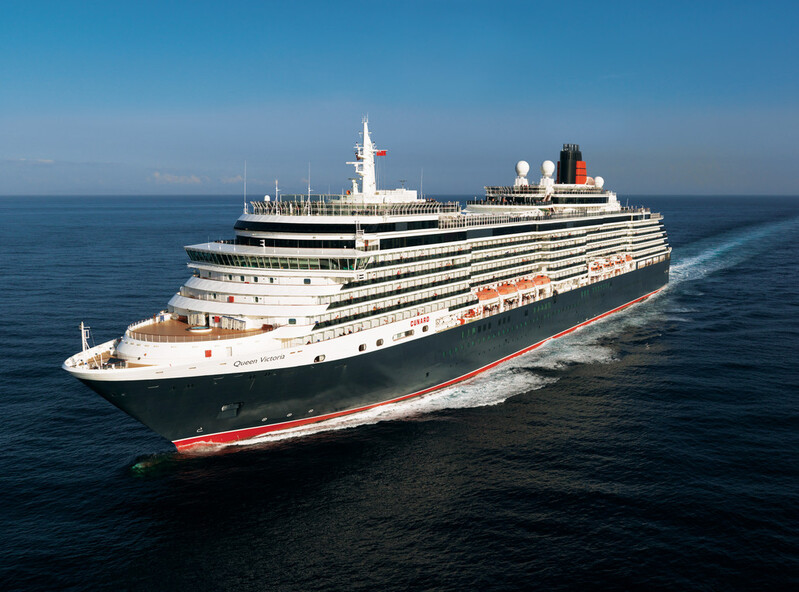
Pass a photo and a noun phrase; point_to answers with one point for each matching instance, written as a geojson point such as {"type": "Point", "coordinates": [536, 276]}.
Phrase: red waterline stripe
{"type": "Point", "coordinates": [243, 434]}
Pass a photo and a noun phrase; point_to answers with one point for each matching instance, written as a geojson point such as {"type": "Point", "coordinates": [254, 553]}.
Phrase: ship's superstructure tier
{"type": "Point", "coordinates": [322, 273]}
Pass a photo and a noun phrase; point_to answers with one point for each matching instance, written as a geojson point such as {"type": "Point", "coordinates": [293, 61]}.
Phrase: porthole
{"type": "Point", "coordinates": [320, 358]}
{"type": "Point", "coordinates": [425, 328]}
{"type": "Point", "coordinates": [292, 321]}
{"type": "Point", "coordinates": [379, 342]}
{"type": "Point", "coordinates": [362, 347]}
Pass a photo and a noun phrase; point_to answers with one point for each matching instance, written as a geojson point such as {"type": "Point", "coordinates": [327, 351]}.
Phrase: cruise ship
{"type": "Point", "coordinates": [328, 305]}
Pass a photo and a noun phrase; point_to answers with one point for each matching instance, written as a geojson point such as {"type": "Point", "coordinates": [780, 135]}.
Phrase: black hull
{"type": "Point", "coordinates": [187, 410]}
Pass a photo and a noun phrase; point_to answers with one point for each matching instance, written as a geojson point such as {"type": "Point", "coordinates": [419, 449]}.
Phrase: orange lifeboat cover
{"type": "Point", "coordinates": [525, 285]}
{"type": "Point", "coordinates": [487, 294]}
{"type": "Point", "coordinates": [540, 280]}
{"type": "Point", "coordinates": [506, 289]}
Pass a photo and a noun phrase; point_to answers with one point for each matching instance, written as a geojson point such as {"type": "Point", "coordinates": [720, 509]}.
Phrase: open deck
{"type": "Point", "coordinates": [175, 331]}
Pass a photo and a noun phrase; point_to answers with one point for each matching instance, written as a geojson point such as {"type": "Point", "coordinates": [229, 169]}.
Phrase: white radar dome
{"type": "Point", "coordinates": [522, 168]}
{"type": "Point", "coordinates": [599, 182]}
{"type": "Point", "coordinates": [547, 168]}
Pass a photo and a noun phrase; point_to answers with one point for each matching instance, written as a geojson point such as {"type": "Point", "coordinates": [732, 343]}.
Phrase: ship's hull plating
{"type": "Point", "coordinates": [188, 411]}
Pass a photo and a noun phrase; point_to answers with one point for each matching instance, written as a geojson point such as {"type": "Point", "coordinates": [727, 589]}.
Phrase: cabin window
{"type": "Point", "coordinates": [425, 328]}
{"type": "Point", "coordinates": [306, 281]}
{"type": "Point", "coordinates": [362, 347]}
{"type": "Point", "coordinates": [292, 321]}
{"type": "Point", "coordinates": [379, 342]}
{"type": "Point", "coordinates": [319, 358]}
{"type": "Point", "coordinates": [403, 335]}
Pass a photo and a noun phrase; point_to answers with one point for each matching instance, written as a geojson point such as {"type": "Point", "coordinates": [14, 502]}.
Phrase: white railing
{"type": "Point", "coordinates": [493, 219]}
{"type": "Point", "coordinates": [154, 338]}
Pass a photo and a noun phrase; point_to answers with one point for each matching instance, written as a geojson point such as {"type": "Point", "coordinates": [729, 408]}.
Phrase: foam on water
{"type": "Point", "coordinates": [713, 254]}
{"type": "Point", "coordinates": [491, 388]}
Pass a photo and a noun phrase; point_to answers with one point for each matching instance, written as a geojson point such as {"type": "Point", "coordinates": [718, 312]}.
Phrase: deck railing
{"type": "Point", "coordinates": [320, 207]}
{"type": "Point", "coordinates": [495, 218]}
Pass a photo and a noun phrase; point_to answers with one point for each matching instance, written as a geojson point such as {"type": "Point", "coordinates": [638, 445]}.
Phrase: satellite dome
{"type": "Point", "coordinates": [599, 182]}
{"type": "Point", "coordinates": [547, 168]}
{"type": "Point", "coordinates": [589, 180]}
{"type": "Point", "coordinates": [522, 168]}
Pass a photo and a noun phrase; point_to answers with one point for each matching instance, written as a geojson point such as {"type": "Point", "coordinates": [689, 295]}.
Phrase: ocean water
{"type": "Point", "coordinates": [656, 449]}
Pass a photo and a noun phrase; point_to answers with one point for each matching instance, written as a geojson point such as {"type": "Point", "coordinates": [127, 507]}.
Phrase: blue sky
{"type": "Point", "coordinates": [173, 97]}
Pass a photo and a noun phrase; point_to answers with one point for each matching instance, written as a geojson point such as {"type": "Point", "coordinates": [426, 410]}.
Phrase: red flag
{"type": "Point", "coordinates": [380, 153]}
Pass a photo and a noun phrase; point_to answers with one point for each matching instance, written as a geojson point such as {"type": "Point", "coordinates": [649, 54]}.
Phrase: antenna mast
{"type": "Point", "coordinates": [245, 186]}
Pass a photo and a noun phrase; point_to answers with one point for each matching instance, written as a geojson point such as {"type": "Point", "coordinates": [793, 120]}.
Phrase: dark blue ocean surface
{"type": "Point", "coordinates": [657, 448]}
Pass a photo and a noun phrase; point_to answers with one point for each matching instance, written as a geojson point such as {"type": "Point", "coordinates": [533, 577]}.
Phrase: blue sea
{"type": "Point", "coordinates": [656, 449]}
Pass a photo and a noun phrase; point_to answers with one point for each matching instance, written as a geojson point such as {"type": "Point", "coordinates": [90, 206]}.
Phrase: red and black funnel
{"type": "Point", "coordinates": [571, 167]}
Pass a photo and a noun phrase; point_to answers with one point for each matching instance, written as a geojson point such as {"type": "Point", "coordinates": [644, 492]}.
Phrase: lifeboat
{"type": "Point", "coordinates": [540, 280]}
{"type": "Point", "coordinates": [525, 286]}
{"type": "Point", "coordinates": [487, 295]}
{"type": "Point", "coordinates": [507, 290]}
{"type": "Point", "coordinates": [629, 258]}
